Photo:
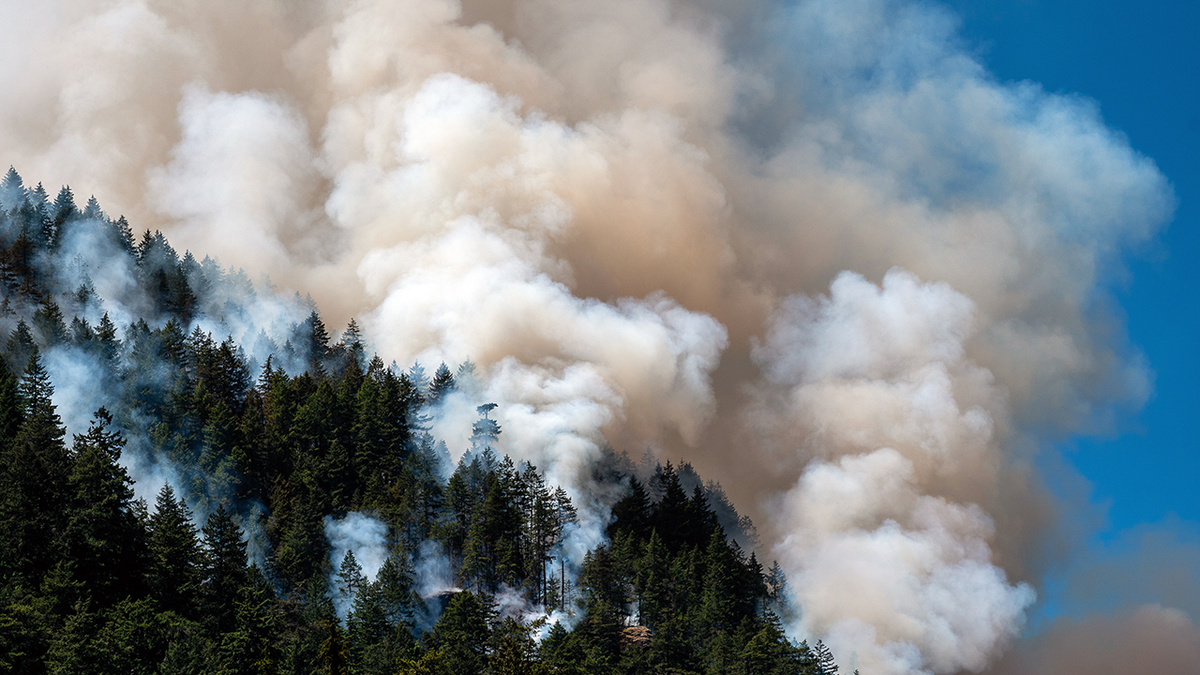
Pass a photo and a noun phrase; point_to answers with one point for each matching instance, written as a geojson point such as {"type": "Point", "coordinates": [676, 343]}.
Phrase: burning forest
{"type": "Point", "coordinates": [450, 336]}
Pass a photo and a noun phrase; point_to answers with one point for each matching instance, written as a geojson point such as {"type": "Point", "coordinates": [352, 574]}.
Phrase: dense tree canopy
{"type": "Point", "coordinates": [257, 444]}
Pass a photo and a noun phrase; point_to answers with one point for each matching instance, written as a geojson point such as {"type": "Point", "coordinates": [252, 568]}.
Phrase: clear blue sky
{"type": "Point", "coordinates": [1140, 61]}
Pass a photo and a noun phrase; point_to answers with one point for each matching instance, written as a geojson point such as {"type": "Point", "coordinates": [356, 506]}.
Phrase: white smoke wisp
{"type": "Point", "coordinates": [434, 575]}
{"type": "Point", "coordinates": [878, 382]}
{"type": "Point", "coordinates": [367, 538]}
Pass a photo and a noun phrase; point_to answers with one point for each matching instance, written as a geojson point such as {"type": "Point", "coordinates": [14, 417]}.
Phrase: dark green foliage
{"type": "Point", "coordinates": [103, 534]}
{"type": "Point", "coordinates": [333, 657]}
{"type": "Point", "coordinates": [462, 634]}
{"type": "Point", "coordinates": [49, 325]}
{"type": "Point", "coordinates": [224, 570]}
{"type": "Point", "coordinates": [36, 468]}
{"type": "Point", "coordinates": [175, 559]}
{"type": "Point", "coordinates": [442, 384]}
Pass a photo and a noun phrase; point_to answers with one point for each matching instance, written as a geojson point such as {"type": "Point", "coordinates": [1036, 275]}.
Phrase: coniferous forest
{"type": "Point", "coordinates": [271, 441]}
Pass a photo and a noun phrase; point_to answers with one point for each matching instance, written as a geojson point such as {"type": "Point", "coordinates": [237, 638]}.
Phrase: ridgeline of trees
{"type": "Point", "coordinates": [267, 437]}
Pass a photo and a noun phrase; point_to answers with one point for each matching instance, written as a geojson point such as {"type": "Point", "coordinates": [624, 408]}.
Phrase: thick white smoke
{"type": "Point", "coordinates": [886, 556]}
{"type": "Point", "coordinates": [603, 204]}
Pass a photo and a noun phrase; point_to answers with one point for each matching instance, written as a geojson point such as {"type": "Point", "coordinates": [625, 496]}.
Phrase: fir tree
{"type": "Point", "coordinates": [485, 432]}
{"type": "Point", "coordinates": [49, 323]}
{"type": "Point", "coordinates": [224, 571]}
{"type": "Point", "coordinates": [175, 558]}
{"type": "Point", "coordinates": [36, 468]}
{"type": "Point", "coordinates": [442, 384]}
{"type": "Point", "coordinates": [12, 191]}
{"type": "Point", "coordinates": [826, 665]}
{"type": "Point", "coordinates": [20, 347]}
{"type": "Point", "coordinates": [103, 535]}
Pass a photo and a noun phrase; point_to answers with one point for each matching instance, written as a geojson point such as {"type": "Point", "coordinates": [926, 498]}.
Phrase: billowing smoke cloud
{"type": "Point", "coordinates": [605, 205]}
{"type": "Point", "coordinates": [904, 430]}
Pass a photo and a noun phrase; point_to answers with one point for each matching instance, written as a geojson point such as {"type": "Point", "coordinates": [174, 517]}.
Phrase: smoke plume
{"type": "Point", "coordinates": [813, 248]}
{"type": "Point", "coordinates": [363, 535]}
{"type": "Point", "coordinates": [906, 434]}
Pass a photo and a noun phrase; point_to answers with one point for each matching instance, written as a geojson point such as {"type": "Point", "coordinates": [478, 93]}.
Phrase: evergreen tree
{"type": "Point", "coordinates": [350, 578]}
{"type": "Point", "coordinates": [316, 340]}
{"type": "Point", "coordinates": [442, 384]}
{"type": "Point", "coordinates": [12, 191]}
{"type": "Point", "coordinates": [224, 571]}
{"type": "Point", "coordinates": [49, 324]}
{"type": "Point", "coordinates": [11, 413]}
{"type": "Point", "coordinates": [485, 432]}
{"type": "Point", "coordinates": [92, 211]}
{"type": "Point", "coordinates": [104, 536]}
{"type": "Point", "coordinates": [352, 342]}
{"type": "Point", "coordinates": [123, 234]}
{"type": "Point", "coordinates": [333, 656]}
{"type": "Point", "coordinates": [36, 468]}
{"type": "Point", "coordinates": [631, 514]}
{"type": "Point", "coordinates": [419, 383]}
{"type": "Point", "coordinates": [107, 342]}
{"type": "Point", "coordinates": [20, 347]}
{"type": "Point", "coordinates": [175, 557]}
{"type": "Point", "coordinates": [466, 378]}
{"type": "Point", "coordinates": [672, 514]}
{"type": "Point", "coordinates": [719, 603]}
{"type": "Point", "coordinates": [826, 665]}
{"type": "Point", "coordinates": [249, 648]}
{"type": "Point", "coordinates": [63, 212]}
{"type": "Point", "coordinates": [463, 634]}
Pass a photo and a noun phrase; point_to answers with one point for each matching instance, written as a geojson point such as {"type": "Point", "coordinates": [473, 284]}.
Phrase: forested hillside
{"type": "Point", "coordinates": [280, 449]}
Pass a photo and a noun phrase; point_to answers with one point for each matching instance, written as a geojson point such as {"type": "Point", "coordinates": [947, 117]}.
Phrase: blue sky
{"type": "Point", "coordinates": [1140, 63]}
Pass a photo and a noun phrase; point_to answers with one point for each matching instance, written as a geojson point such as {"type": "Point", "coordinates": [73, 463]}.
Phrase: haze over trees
{"type": "Point", "coordinates": [272, 438]}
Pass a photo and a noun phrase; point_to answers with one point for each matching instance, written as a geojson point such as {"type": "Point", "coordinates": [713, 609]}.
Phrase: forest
{"type": "Point", "coordinates": [276, 449]}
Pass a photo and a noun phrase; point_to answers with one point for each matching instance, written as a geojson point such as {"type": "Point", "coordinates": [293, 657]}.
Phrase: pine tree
{"type": "Point", "coordinates": [108, 344]}
{"type": "Point", "coordinates": [11, 414]}
{"type": "Point", "coordinates": [419, 383]}
{"type": "Point", "coordinates": [175, 556]}
{"type": "Point", "coordinates": [486, 432]}
{"type": "Point", "coordinates": [672, 514]}
{"type": "Point", "coordinates": [350, 578]}
{"type": "Point", "coordinates": [224, 570]}
{"type": "Point", "coordinates": [442, 384]}
{"type": "Point", "coordinates": [352, 341]}
{"type": "Point", "coordinates": [654, 602]}
{"type": "Point", "coordinates": [36, 467]}
{"type": "Point", "coordinates": [123, 234]}
{"type": "Point", "coordinates": [826, 665]}
{"type": "Point", "coordinates": [63, 212]}
{"type": "Point", "coordinates": [49, 324]}
{"type": "Point", "coordinates": [249, 648]}
{"type": "Point", "coordinates": [463, 633]}
{"type": "Point", "coordinates": [631, 514]}
{"type": "Point", "coordinates": [719, 603]}
{"type": "Point", "coordinates": [12, 191]}
{"type": "Point", "coordinates": [104, 536]}
{"type": "Point", "coordinates": [20, 346]}
{"type": "Point", "coordinates": [92, 210]}
{"type": "Point", "coordinates": [316, 340]}
{"type": "Point", "coordinates": [333, 656]}
{"type": "Point", "coordinates": [466, 378]}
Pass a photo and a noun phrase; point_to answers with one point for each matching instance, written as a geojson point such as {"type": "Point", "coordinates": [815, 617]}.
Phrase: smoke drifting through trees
{"type": "Point", "coordinates": [606, 206]}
